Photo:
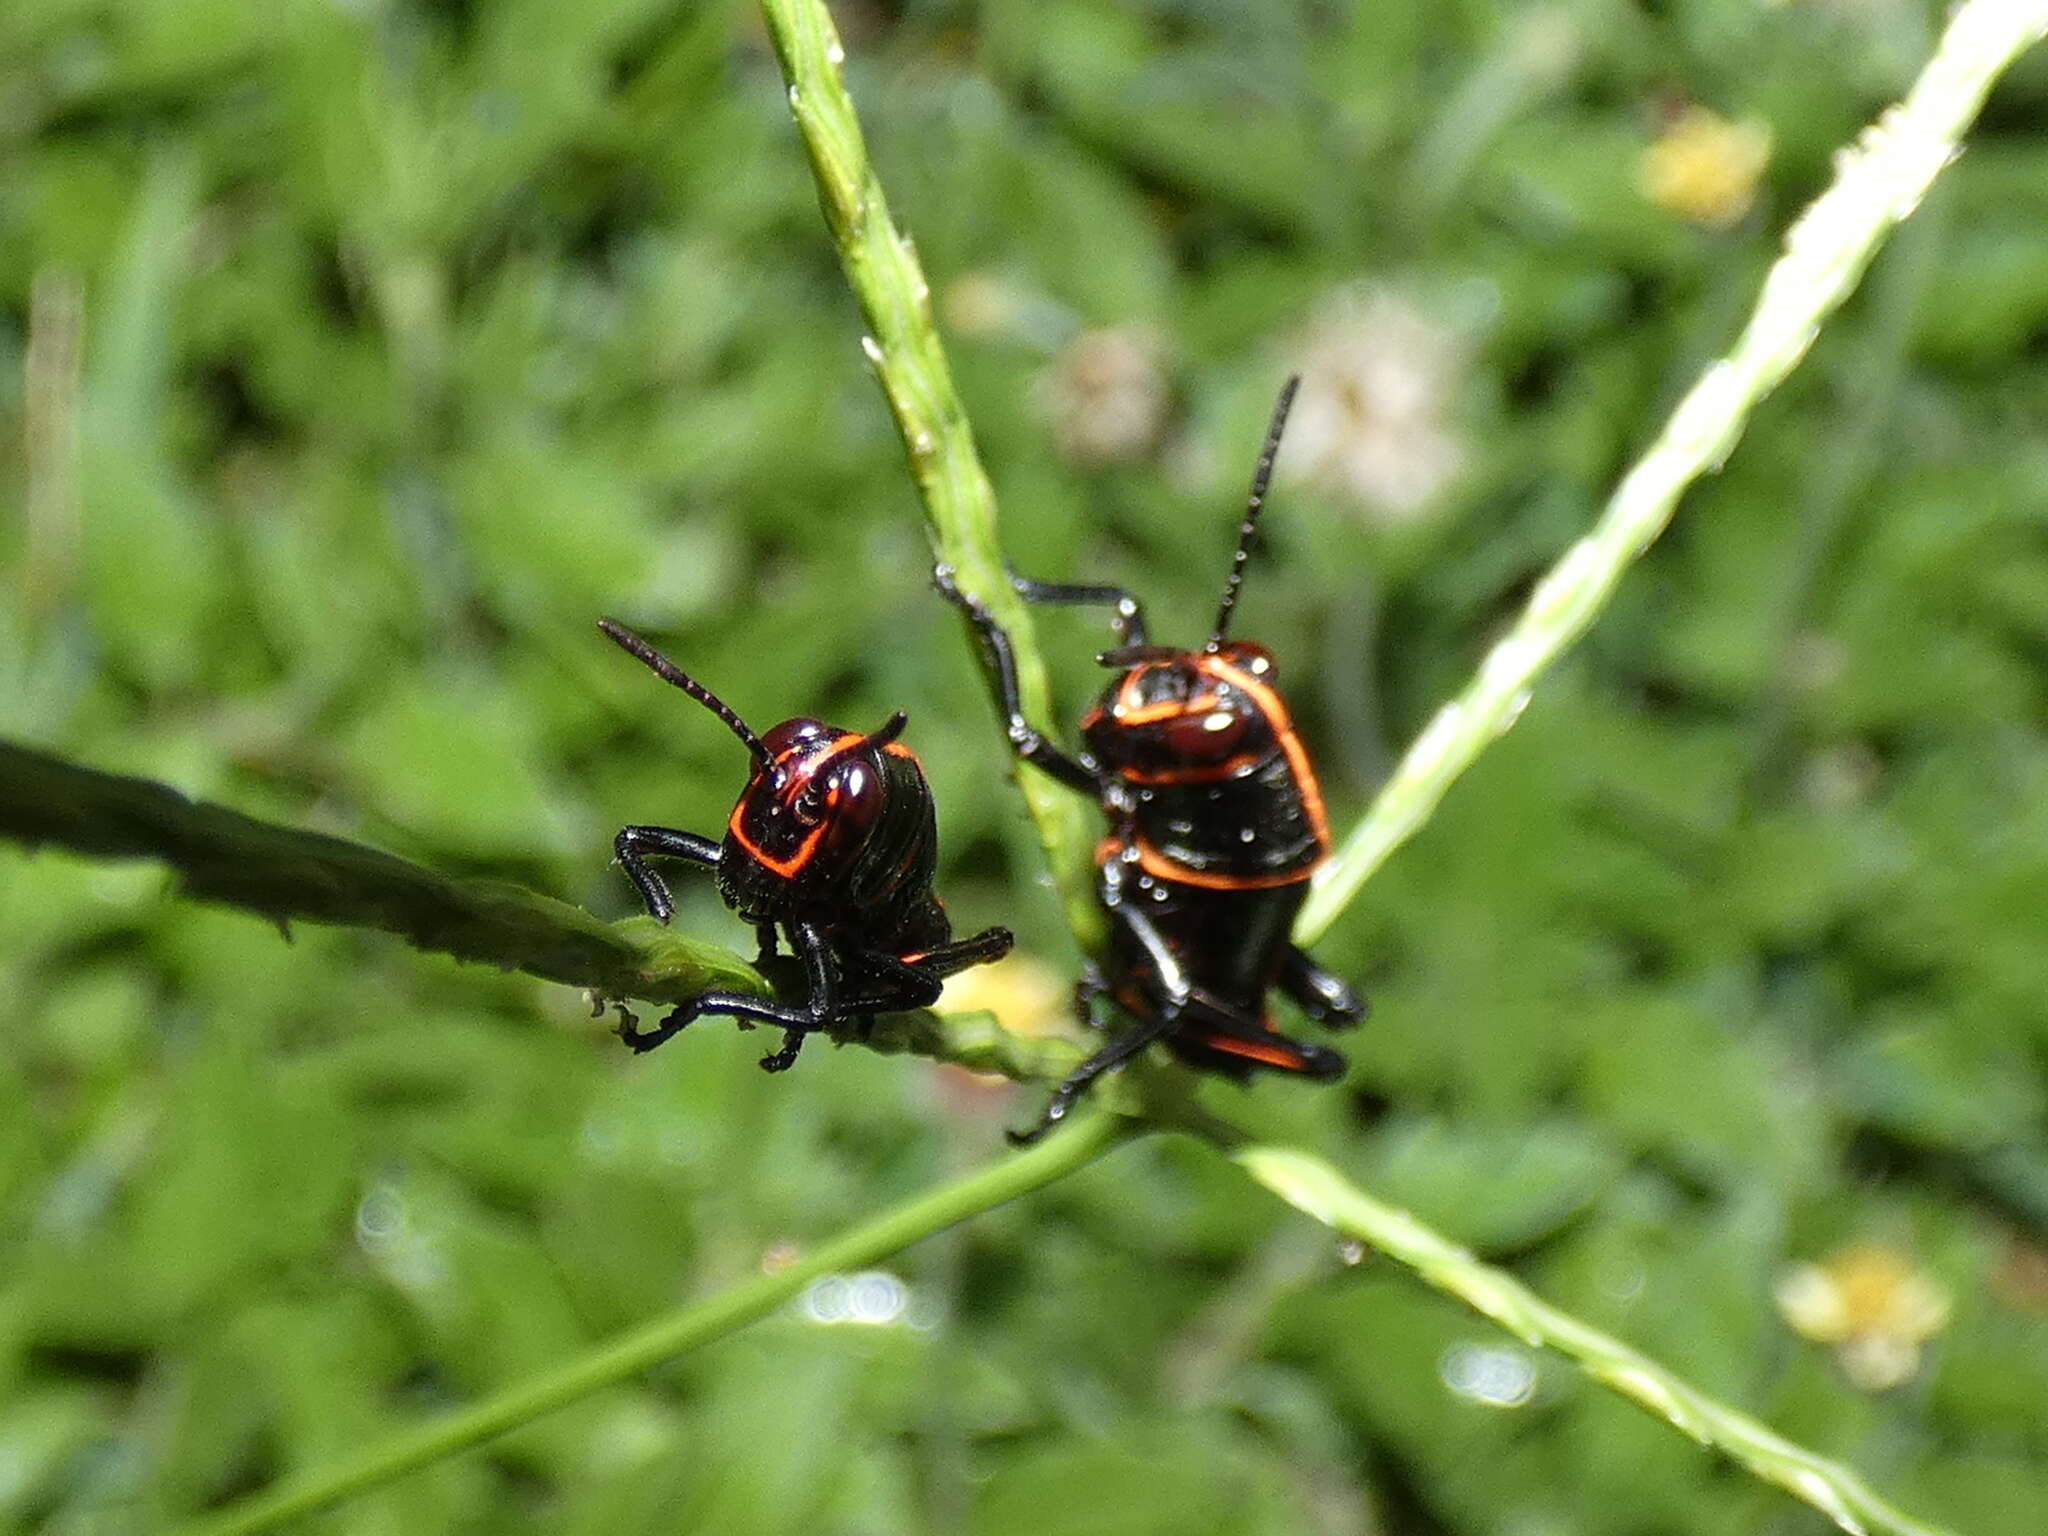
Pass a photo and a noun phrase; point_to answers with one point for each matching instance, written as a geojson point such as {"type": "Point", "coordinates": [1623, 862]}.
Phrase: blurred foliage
{"type": "Point", "coordinates": [354, 357]}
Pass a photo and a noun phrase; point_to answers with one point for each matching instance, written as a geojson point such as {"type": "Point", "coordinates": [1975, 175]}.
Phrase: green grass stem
{"type": "Point", "coordinates": [693, 1324]}
{"type": "Point", "coordinates": [903, 347]}
{"type": "Point", "coordinates": [285, 875]}
{"type": "Point", "coordinates": [1311, 1185]}
{"type": "Point", "coordinates": [1878, 182]}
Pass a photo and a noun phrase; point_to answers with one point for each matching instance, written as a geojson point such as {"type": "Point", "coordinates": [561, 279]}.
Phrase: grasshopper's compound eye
{"type": "Point", "coordinates": [1249, 656]}
{"type": "Point", "coordinates": [794, 737]}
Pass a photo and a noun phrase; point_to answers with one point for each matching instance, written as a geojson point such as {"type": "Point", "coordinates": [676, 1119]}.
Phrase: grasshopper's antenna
{"type": "Point", "coordinates": [890, 730]}
{"type": "Point", "coordinates": [669, 672]}
{"type": "Point", "coordinates": [1254, 504]}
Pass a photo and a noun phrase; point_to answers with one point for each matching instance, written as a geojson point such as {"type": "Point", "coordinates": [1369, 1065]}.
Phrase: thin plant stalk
{"type": "Point", "coordinates": [1311, 1185]}
{"type": "Point", "coordinates": [695, 1323]}
{"type": "Point", "coordinates": [287, 875]}
{"type": "Point", "coordinates": [903, 347]}
{"type": "Point", "coordinates": [1878, 182]}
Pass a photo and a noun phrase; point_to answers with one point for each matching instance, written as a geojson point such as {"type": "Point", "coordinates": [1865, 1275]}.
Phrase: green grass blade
{"type": "Point", "coordinates": [287, 876]}
{"type": "Point", "coordinates": [903, 347]}
{"type": "Point", "coordinates": [698, 1322]}
{"type": "Point", "coordinates": [1313, 1186]}
{"type": "Point", "coordinates": [291, 876]}
{"type": "Point", "coordinates": [1878, 182]}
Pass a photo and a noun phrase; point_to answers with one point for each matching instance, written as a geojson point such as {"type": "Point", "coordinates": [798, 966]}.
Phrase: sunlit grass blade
{"type": "Point", "coordinates": [1313, 1186]}
{"type": "Point", "coordinates": [1878, 182]}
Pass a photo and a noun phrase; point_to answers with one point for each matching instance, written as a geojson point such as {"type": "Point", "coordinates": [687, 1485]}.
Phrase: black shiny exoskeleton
{"type": "Point", "coordinates": [833, 844]}
{"type": "Point", "coordinates": [1215, 825]}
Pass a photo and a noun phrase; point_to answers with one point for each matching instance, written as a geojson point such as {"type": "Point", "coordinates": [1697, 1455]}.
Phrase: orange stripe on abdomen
{"type": "Point", "coordinates": [1163, 866]}
{"type": "Point", "coordinates": [1274, 1055]}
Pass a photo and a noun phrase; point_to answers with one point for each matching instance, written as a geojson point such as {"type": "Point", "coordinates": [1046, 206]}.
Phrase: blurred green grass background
{"type": "Point", "coordinates": [355, 356]}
